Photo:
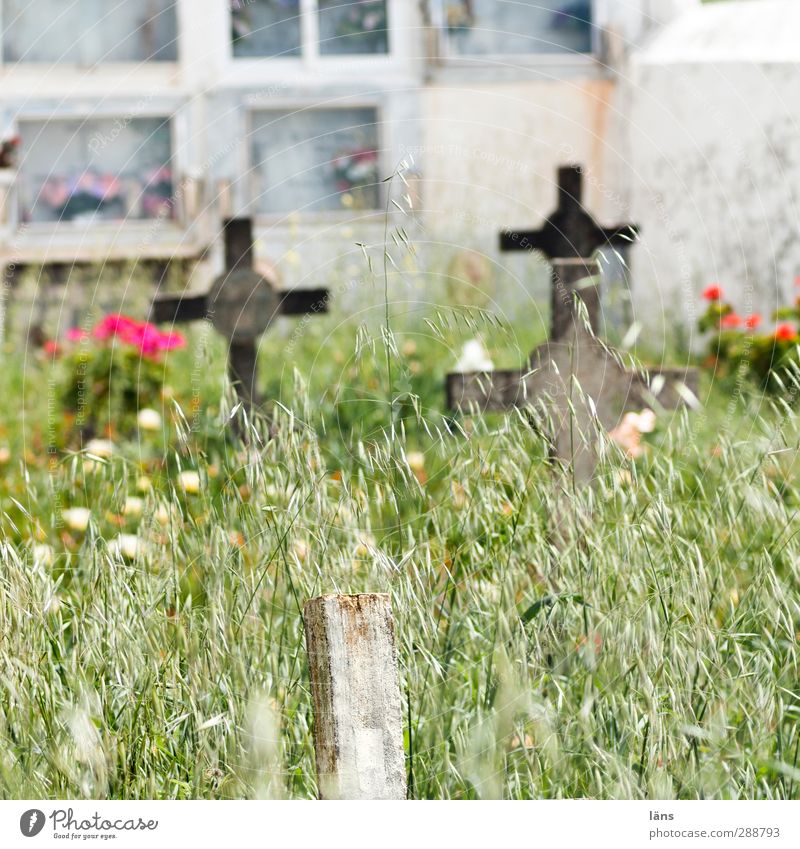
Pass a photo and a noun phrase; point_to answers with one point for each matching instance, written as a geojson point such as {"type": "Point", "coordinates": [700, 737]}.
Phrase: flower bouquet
{"type": "Point", "coordinates": [356, 172]}
{"type": "Point", "coordinates": [8, 152]}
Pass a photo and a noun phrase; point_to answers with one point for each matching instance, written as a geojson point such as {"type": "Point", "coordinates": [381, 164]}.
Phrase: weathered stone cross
{"type": "Point", "coordinates": [569, 231]}
{"type": "Point", "coordinates": [564, 373]}
{"type": "Point", "coordinates": [241, 305]}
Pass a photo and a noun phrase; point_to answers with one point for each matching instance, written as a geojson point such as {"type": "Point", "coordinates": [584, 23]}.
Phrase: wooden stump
{"type": "Point", "coordinates": [358, 733]}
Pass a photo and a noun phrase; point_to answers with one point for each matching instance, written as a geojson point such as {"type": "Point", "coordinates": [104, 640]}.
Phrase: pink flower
{"type": "Point", "coordinates": [75, 334]}
{"type": "Point", "coordinates": [52, 348]}
{"type": "Point", "coordinates": [170, 341]}
{"type": "Point", "coordinates": [144, 336]}
{"type": "Point", "coordinates": [114, 325]}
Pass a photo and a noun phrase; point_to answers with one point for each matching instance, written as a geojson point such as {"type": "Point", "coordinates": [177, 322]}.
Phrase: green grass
{"type": "Point", "coordinates": [639, 639]}
{"type": "Point", "coordinates": [634, 640]}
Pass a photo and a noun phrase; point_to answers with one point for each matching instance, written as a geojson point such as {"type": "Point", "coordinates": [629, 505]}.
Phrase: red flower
{"type": "Point", "coordinates": [51, 347]}
{"type": "Point", "coordinates": [713, 293]}
{"type": "Point", "coordinates": [752, 321]}
{"type": "Point", "coordinates": [797, 280]}
{"type": "Point", "coordinates": [731, 320]}
{"type": "Point", "coordinates": [785, 332]}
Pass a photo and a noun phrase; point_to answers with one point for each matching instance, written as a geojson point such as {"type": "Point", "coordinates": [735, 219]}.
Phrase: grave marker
{"type": "Point", "coordinates": [573, 364]}
{"type": "Point", "coordinates": [358, 727]}
{"type": "Point", "coordinates": [241, 305]}
{"type": "Point", "coordinates": [570, 231]}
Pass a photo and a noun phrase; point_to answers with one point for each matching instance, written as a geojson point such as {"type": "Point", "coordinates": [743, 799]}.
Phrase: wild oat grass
{"type": "Point", "coordinates": [652, 652]}
{"type": "Point", "coordinates": [636, 639]}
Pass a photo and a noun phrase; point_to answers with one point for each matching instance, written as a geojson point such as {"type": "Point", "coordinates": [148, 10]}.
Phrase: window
{"type": "Point", "coordinates": [265, 27]}
{"type": "Point", "coordinates": [86, 32]}
{"type": "Point", "coordinates": [96, 170]}
{"type": "Point", "coordinates": [481, 27]}
{"type": "Point", "coordinates": [347, 27]}
{"type": "Point", "coordinates": [274, 28]}
{"type": "Point", "coordinates": [316, 159]}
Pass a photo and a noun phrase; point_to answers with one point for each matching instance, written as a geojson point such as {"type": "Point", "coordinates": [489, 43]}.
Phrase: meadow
{"type": "Point", "coordinates": [151, 592]}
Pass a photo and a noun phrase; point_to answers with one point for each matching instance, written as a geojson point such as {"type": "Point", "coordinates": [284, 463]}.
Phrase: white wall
{"type": "Point", "coordinates": [715, 185]}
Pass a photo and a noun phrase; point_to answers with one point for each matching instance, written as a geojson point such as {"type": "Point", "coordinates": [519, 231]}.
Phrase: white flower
{"type": "Point", "coordinates": [43, 555]}
{"type": "Point", "coordinates": [77, 518]}
{"type": "Point", "coordinates": [144, 484]}
{"type": "Point", "coordinates": [474, 358]}
{"type": "Point", "coordinates": [128, 546]}
{"type": "Point", "coordinates": [416, 460]}
{"type": "Point", "coordinates": [646, 421]}
{"type": "Point", "coordinates": [190, 482]}
{"type": "Point", "coordinates": [164, 515]}
{"type": "Point", "coordinates": [628, 433]}
{"type": "Point", "coordinates": [103, 448]}
{"type": "Point", "coordinates": [133, 507]}
{"type": "Point", "coordinates": [301, 549]}
{"type": "Point", "coordinates": [149, 419]}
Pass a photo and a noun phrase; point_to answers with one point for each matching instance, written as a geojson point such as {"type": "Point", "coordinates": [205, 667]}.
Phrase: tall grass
{"type": "Point", "coordinates": [636, 639]}
{"type": "Point", "coordinates": [652, 653]}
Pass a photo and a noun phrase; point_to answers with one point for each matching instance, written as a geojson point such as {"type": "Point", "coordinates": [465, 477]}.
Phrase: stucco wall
{"type": "Point", "coordinates": [715, 183]}
{"type": "Point", "coordinates": [489, 162]}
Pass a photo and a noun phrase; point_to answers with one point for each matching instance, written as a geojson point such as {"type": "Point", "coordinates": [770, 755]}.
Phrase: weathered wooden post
{"type": "Point", "coordinates": [358, 732]}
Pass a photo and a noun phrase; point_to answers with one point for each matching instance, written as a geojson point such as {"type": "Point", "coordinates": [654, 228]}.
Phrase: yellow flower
{"type": "Point", "coordinates": [190, 482]}
{"type": "Point", "coordinates": [144, 484]}
{"type": "Point", "coordinates": [5, 455]}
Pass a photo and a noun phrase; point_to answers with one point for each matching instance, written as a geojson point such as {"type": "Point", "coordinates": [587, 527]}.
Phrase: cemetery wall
{"type": "Point", "coordinates": [716, 187]}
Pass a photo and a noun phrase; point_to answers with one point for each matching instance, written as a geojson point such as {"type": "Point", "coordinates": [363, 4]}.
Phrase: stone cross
{"type": "Point", "coordinates": [241, 305]}
{"type": "Point", "coordinates": [569, 231]}
{"type": "Point", "coordinates": [567, 371]}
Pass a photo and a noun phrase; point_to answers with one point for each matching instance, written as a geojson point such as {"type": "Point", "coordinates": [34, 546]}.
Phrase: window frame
{"type": "Point", "coordinates": [322, 215]}
{"type": "Point", "coordinates": [38, 67]}
{"type": "Point", "coordinates": [556, 58]}
{"type": "Point", "coordinates": [243, 70]}
{"type": "Point", "coordinates": [175, 224]}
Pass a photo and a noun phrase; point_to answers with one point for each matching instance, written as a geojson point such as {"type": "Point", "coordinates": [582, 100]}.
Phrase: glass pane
{"type": "Point", "coordinates": [353, 26]}
{"type": "Point", "coordinates": [97, 170]}
{"type": "Point", "coordinates": [265, 27]}
{"type": "Point", "coordinates": [476, 27]}
{"type": "Point", "coordinates": [320, 159]}
{"type": "Point", "coordinates": [86, 32]}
